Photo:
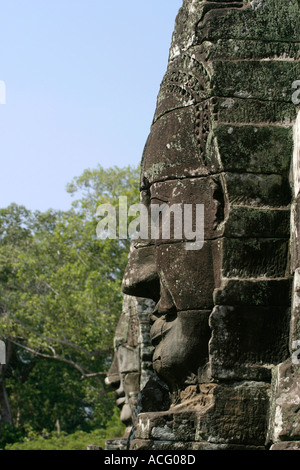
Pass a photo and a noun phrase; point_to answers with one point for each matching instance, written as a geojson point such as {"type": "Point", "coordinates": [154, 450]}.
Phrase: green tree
{"type": "Point", "coordinates": [60, 295]}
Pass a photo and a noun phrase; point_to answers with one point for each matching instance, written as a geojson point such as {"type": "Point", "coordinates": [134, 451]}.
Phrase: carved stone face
{"type": "Point", "coordinates": [124, 373]}
{"type": "Point", "coordinates": [180, 281]}
{"type": "Point", "coordinates": [126, 384]}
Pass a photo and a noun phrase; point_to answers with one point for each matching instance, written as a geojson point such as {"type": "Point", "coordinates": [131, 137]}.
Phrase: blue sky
{"type": "Point", "coordinates": [82, 77]}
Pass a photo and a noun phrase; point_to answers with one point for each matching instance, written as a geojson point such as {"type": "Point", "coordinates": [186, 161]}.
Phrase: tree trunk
{"type": "Point", "coordinates": [58, 426]}
{"type": "Point", "coordinates": [5, 409]}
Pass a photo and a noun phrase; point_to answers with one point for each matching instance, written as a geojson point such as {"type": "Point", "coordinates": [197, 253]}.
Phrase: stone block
{"type": "Point", "coordinates": [186, 83]}
{"type": "Point", "coordinates": [206, 191]}
{"type": "Point", "coordinates": [254, 258]}
{"type": "Point", "coordinates": [190, 276]}
{"type": "Point", "coordinates": [273, 20]}
{"type": "Point", "coordinates": [285, 404]}
{"type": "Point", "coordinates": [238, 110]}
{"type": "Point", "coordinates": [295, 316]}
{"type": "Point", "coordinates": [248, 222]}
{"type": "Point", "coordinates": [288, 445]}
{"type": "Point", "coordinates": [116, 444]}
{"type": "Point", "coordinates": [237, 415]}
{"type": "Point", "coordinates": [251, 50]}
{"type": "Point", "coordinates": [170, 153]}
{"type": "Point", "coordinates": [247, 341]}
{"type": "Point", "coordinates": [264, 149]}
{"type": "Point", "coordinates": [150, 445]}
{"type": "Point", "coordinates": [220, 414]}
{"type": "Point", "coordinates": [255, 79]}
{"type": "Point", "coordinates": [258, 190]}
{"type": "Point", "coordinates": [260, 293]}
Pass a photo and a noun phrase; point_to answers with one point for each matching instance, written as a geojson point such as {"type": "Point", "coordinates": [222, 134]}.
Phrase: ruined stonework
{"type": "Point", "coordinates": [284, 422]}
{"type": "Point", "coordinates": [131, 368]}
{"type": "Point", "coordinates": [226, 325]}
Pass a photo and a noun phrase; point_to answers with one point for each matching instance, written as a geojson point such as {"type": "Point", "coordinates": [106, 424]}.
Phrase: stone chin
{"type": "Point", "coordinates": [182, 349]}
{"type": "Point", "coordinates": [126, 415]}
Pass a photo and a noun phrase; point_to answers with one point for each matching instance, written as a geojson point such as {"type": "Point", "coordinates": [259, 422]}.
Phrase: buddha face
{"type": "Point", "coordinates": [124, 373]}
{"type": "Point", "coordinates": [177, 167]}
{"type": "Point", "coordinates": [126, 385]}
{"type": "Point", "coordinates": [180, 280]}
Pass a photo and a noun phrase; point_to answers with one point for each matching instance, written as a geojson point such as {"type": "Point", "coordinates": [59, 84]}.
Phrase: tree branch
{"type": "Point", "coordinates": [64, 342]}
{"type": "Point", "coordinates": [85, 373]}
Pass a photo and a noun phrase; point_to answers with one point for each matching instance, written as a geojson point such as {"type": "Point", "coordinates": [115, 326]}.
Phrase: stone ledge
{"type": "Point", "coordinates": [140, 444]}
{"type": "Point", "coordinates": [289, 445]}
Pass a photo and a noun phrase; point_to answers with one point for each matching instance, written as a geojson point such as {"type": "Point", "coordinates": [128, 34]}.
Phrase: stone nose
{"type": "Point", "coordinates": [113, 376]}
{"type": "Point", "coordinates": [140, 278]}
{"type": "Point", "coordinates": [165, 307]}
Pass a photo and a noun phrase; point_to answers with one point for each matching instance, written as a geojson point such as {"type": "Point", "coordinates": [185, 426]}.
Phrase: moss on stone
{"type": "Point", "coordinates": [255, 149]}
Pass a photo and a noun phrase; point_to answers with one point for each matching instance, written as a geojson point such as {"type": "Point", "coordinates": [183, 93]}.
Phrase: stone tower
{"type": "Point", "coordinates": [225, 135]}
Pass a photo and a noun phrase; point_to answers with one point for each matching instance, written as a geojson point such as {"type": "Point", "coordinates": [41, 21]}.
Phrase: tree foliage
{"type": "Point", "coordinates": [60, 295]}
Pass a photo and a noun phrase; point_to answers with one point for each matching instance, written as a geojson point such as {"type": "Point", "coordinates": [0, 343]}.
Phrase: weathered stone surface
{"type": "Point", "coordinates": [129, 372]}
{"type": "Point", "coordinates": [253, 222]}
{"type": "Point", "coordinates": [260, 293]}
{"type": "Point", "coordinates": [219, 414]}
{"type": "Point", "coordinates": [284, 422]}
{"type": "Point", "coordinates": [247, 340]}
{"type": "Point", "coordinates": [295, 244]}
{"type": "Point", "coordinates": [193, 275]}
{"type": "Point", "coordinates": [140, 444]}
{"type": "Point", "coordinates": [238, 414]}
{"type": "Point", "coordinates": [295, 209]}
{"type": "Point", "coordinates": [186, 83]}
{"type": "Point", "coordinates": [258, 190]}
{"type": "Point", "coordinates": [295, 167]}
{"type": "Point", "coordinates": [261, 149]}
{"type": "Point", "coordinates": [181, 344]}
{"type": "Point", "coordinates": [255, 79]}
{"type": "Point", "coordinates": [285, 403]}
{"type": "Point", "coordinates": [140, 275]}
{"type": "Point", "coordinates": [116, 444]}
{"type": "Point", "coordinates": [155, 396]}
{"type": "Point", "coordinates": [292, 445]}
{"type": "Point", "coordinates": [257, 21]}
{"type": "Point", "coordinates": [93, 447]}
{"type": "Point", "coordinates": [245, 49]}
{"type": "Point", "coordinates": [254, 258]}
{"type": "Point", "coordinates": [169, 153]}
{"type": "Point", "coordinates": [144, 308]}
{"type": "Point", "coordinates": [224, 134]}
{"type": "Point", "coordinates": [295, 316]}
{"type": "Point", "coordinates": [238, 110]}
{"type": "Point", "coordinates": [191, 191]}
